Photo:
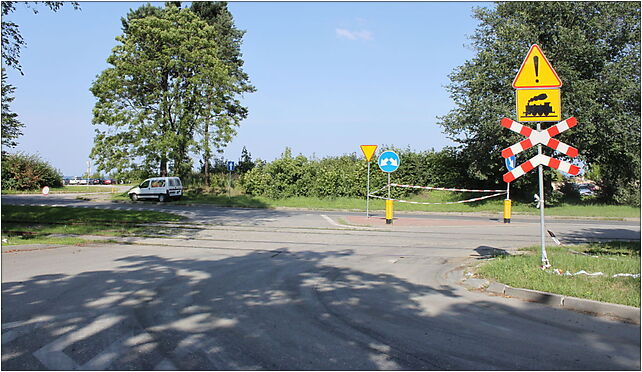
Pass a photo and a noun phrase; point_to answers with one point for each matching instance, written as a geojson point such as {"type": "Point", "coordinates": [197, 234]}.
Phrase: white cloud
{"type": "Point", "coordinates": [353, 35]}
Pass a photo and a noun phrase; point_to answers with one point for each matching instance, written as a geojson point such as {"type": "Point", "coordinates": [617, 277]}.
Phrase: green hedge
{"type": "Point", "coordinates": [346, 175]}
{"type": "Point", "coordinates": [28, 172]}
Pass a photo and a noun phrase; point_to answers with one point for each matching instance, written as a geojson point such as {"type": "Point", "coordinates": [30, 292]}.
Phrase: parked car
{"type": "Point", "coordinates": [161, 188]}
{"type": "Point", "coordinates": [74, 181]}
{"type": "Point", "coordinates": [107, 181]}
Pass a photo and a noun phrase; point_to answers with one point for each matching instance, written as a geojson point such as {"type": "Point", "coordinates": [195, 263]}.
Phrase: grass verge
{"type": "Point", "coordinates": [522, 271]}
{"type": "Point", "coordinates": [64, 190]}
{"type": "Point", "coordinates": [580, 209]}
{"type": "Point", "coordinates": [34, 224]}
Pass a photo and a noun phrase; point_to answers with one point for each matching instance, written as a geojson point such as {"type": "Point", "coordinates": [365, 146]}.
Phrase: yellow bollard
{"type": "Point", "coordinates": [389, 213]}
{"type": "Point", "coordinates": [507, 208]}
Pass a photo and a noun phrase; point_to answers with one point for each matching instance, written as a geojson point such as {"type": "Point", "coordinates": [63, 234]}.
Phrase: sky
{"type": "Point", "coordinates": [330, 76]}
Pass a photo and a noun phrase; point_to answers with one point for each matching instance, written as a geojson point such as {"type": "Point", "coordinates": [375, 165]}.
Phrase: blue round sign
{"type": "Point", "coordinates": [511, 162]}
{"type": "Point", "coordinates": [389, 161]}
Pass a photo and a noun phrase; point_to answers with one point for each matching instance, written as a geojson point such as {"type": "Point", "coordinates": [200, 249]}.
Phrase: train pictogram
{"type": "Point", "coordinates": [534, 109]}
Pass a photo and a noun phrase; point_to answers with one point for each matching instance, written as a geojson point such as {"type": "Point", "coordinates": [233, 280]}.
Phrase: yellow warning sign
{"type": "Point", "coordinates": [536, 71]}
{"type": "Point", "coordinates": [539, 105]}
{"type": "Point", "coordinates": [368, 151]}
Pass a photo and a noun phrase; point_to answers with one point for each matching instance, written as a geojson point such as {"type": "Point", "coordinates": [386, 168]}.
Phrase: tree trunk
{"type": "Point", "coordinates": [206, 154]}
{"type": "Point", "coordinates": [163, 167]}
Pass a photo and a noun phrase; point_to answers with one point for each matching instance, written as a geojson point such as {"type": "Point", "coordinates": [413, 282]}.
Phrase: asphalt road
{"type": "Point", "coordinates": [283, 289]}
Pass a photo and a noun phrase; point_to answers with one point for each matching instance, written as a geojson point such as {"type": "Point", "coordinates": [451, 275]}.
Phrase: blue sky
{"type": "Point", "coordinates": [329, 76]}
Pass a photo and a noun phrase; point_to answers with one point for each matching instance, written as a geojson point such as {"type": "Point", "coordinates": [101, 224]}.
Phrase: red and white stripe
{"type": "Point", "coordinates": [536, 137]}
{"type": "Point", "coordinates": [455, 202]}
{"type": "Point", "coordinates": [541, 160]}
{"type": "Point", "coordinates": [442, 188]}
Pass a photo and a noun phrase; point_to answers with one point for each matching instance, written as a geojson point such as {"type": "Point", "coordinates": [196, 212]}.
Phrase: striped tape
{"type": "Point", "coordinates": [443, 188]}
{"type": "Point", "coordinates": [425, 203]}
{"type": "Point", "coordinates": [497, 193]}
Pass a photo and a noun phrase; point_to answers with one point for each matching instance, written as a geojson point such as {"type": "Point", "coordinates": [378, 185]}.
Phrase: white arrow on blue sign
{"type": "Point", "coordinates": [511, 162]}
{"type": "Point", "coordinates": [389, 161]}
{"type": "Point", "coordinates": [231, 166]}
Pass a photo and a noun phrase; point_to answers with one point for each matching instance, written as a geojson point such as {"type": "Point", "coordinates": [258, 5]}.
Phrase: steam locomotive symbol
{"type": "Point", "coordinates": [543, 109]}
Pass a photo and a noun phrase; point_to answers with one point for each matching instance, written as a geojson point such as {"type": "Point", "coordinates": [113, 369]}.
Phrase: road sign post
{"type": "Point", "coordinates": [230, 168]}
{"type": "Point", "coordinates": [389, 162]}
{"type": "Point", "coordinates": [538, 100]}
{"type": "Point", "coordinates": [368, 151]}
{"type": "Point", "coordinates": [511, 162]}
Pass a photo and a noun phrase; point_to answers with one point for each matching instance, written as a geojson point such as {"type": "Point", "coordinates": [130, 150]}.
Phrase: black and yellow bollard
{"type": "Point", "coordinates": [507, 208]}
{"type": "Point", "coordinates": [389, 212]}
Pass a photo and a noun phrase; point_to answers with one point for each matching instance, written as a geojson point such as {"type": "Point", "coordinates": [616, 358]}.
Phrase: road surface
{"type": "Point", "coordinates": [283, 289]}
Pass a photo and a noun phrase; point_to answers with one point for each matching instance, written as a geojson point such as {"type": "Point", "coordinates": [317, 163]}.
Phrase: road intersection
{"type": "Point", "coordinates": [290, 289]}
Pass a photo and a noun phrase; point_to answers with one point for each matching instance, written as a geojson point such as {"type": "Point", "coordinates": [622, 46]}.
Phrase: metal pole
{"type": "Point", "coordinates": [368, 193]}
{"type": "Point", "coordinates": [507, 190]}
{"type": "Point", "coordinates": [229, 184]}
{"type": "Point", "coordinates": [545, 263]}
{"type": "Point", "coordinates": [388, 185]}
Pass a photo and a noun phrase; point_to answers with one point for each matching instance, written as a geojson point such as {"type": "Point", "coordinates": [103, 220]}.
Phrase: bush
{"type": "Point", "coordinates": [346, 175]}
{"type": "Point", "coordinates": [28, 172]}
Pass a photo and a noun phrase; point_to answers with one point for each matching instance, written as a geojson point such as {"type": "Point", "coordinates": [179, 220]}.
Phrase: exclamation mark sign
{"type": "Point", "coordinates": [536, 62]}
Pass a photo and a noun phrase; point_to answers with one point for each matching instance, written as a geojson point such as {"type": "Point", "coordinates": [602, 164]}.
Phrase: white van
{"type": "Point", "coordinates": [161, 188]}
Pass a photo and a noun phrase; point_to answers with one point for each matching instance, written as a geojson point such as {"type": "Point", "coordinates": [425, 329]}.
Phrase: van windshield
{"type": "Point", "coordinates": [144, 185]}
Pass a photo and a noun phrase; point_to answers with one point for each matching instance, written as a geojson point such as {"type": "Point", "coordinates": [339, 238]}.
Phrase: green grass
{"type": "Point", "coordinates": [62, 190]}
{"type": "Point", "coordinates": [10, 240]}
{"type": "Point", "coordinates": [522, 271]}
{"type": "Point", "coordinates": [34, 225]}
{"type": "Point", "coordinates": [495, 205]}
{"type": "Point", "coordinates": [18, 213]}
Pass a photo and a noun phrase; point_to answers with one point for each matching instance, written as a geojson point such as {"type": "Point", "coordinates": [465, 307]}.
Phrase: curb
{"type": "Point", "coordinates": [622, 312]}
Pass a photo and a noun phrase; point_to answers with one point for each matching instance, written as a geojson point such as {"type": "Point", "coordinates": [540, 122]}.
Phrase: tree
{"type": "Point", "coordinates": [11, 127]}
{"type": "Point", "coordinates": [595, 49]}
{"type": "Point", "coordinates": [225, 106]}
{"type": "Point", "coordinates": [12, 40]}
{"type": "Point", "coordinates": [245, 163]}
{"type": "Point", "coordinates": [155, 95]}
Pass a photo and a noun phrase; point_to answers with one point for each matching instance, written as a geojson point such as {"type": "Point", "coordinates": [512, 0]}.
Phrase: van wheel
{"type": "Point", "coordinates": [134, 197]}
{"type": "Point", "coordinates": [162, 198]}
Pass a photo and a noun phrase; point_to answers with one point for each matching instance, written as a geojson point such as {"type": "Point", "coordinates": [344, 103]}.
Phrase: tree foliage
{"type": "Point", "coordinates": [595, 49]}
{"type": "Point", "coordinates": [171, 91]}
{"type": "Point", "coordinates": [346, 175]}
{"type": "Point", "coordinates": [154, 96]}
{"type": "Point", "coordinates": [28, 172]}
{"type": "Point", "coordinates": [11, 126]}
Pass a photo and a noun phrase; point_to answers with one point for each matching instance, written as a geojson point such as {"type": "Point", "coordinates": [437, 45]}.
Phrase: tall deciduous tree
{"type": "Point", "coordinates": [155, 95]}
{"type": "Point", "coordinates": [595, 49]}
{"type": "Point", "coordinates": [227, 110]}
{"type": "Point", "coordinates": [11, 126]}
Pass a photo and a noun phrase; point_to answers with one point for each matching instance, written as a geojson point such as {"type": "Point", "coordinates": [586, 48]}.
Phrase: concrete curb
{"type": "Point", "coordinates": [621, 312]}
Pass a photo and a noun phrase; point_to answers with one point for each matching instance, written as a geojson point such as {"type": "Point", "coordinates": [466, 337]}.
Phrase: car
{"type": "Point", "coordinates": [161, 188]}
{"type": "Point", "coordinates": [107, 181]}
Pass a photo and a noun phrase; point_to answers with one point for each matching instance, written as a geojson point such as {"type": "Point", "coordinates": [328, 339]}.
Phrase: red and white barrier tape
{"type": "Point", "coordinates": [497, 193]}
{"type": "Point", "coordinates": [456, 202]}
{"type": "Point", "coordinates": [583, 272]}
{"type": "Point", "coordinates": [444, 189]}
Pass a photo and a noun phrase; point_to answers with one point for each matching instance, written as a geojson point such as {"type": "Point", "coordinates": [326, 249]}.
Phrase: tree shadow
{"type": "Point", "coordinates": [287, 310]}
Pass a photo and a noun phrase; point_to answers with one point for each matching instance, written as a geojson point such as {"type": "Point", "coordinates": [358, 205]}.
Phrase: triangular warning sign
{"type": "Point", "coordinates": [536, 71]}
{"type": "Point", "coordinates": [368, 151]}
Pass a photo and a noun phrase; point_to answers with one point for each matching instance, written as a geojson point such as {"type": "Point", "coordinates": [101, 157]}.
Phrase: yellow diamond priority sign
{"type": "Point", "coordinates": [368, 151]}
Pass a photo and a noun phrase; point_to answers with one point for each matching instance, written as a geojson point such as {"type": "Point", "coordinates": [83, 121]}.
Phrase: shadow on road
{"type": "Point", "coordinates": [286, 310]}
